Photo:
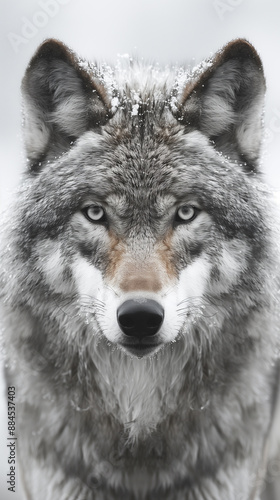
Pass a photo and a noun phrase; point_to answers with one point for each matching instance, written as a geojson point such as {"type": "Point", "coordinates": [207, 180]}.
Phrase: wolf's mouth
{"type": "Point", "coordinates": [140, 349]}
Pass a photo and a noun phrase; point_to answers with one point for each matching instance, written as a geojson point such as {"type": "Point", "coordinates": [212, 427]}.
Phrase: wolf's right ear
{"type": "Point", "coordinates": [61, 100]}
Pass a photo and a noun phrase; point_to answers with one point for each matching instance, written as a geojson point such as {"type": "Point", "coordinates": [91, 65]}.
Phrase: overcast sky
{"type": "Point", "coordinates": [165, 31]}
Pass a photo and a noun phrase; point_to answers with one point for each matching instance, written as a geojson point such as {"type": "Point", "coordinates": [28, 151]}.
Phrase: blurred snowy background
{"type": "Point", "coordinates": [164, 31]}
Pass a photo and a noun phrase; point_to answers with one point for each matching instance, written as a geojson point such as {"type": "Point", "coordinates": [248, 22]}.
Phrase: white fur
{"type": "Point", "coordinates": [232, 262]}
{"type": "Point", "coordinates": [51, 264]}
{"type": "Point", "coordinates": [88, 279]}
{"type": "Point", "coordinates": [36, 133]}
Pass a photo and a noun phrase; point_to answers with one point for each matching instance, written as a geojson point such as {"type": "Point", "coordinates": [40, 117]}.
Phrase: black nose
{"type": "Point", "coordinates": [140, 318]}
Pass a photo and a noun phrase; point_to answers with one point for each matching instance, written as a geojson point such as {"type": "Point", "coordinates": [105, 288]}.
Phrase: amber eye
{"type": "Point", "coordinates": [186, 213]}
{"type": "Point", "coordinates": [94, 213]}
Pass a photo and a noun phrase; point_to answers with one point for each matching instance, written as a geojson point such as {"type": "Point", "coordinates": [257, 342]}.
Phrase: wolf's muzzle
{"type": "Point", "coordinates": [140, 318]}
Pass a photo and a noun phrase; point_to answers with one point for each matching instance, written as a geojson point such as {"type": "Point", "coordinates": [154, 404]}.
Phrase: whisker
{"type": "Point", "coordinates": [88, 298]}
{"type": "Point", "coordinates": [192, 300]}
{"type": "Point", "coordinates": [112, 290]}
{"type": "Point", "coordinates": [77, 305]}
{"type": "Point", "coordinates": [169, 290]}
{"type": "Point", "coordinates": [197, 305]}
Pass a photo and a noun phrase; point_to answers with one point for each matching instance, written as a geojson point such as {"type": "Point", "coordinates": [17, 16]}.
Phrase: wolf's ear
{"type": "Point", "coordinates": [225, 102]}
{"type": "Point", "coordinates": [61, 100]}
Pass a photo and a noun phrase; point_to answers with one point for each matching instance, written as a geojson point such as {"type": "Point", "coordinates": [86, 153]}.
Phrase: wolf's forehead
{"type": "Point", "coordinates": [141, 200]}
{"type": "Point", "coordinates": [144, 167]}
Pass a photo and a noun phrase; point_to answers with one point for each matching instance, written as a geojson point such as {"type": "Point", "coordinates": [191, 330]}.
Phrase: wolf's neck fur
{"type": "Point", "coordinates": [141, 392]}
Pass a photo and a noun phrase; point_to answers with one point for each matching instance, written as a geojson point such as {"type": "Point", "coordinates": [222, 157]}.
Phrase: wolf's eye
{"type": "Point", "coordinates": [94, 213]}
{"type": "Point", "coordinates": [186, 213]}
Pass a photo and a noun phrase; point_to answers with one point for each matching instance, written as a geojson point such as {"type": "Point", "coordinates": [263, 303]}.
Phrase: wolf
{"type": "Point", "coordinates": [139, 282]}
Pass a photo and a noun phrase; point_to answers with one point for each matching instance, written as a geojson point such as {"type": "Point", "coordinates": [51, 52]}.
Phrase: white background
{"type": "Point", "coordinates": [164, 31]}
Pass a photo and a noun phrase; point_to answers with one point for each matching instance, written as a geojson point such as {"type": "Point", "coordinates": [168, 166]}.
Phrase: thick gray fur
{"type": "Point", "coordinates": [197, 419]}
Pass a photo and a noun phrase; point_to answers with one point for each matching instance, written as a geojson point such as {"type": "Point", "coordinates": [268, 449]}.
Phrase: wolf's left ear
{"type": "Point", "coordinates": [225, 102]}
{"type": "Point", "coordinates": [61, 100]}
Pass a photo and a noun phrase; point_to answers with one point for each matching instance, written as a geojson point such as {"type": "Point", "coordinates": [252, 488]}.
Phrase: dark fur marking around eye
{"type": "Point", "coordinates": [195, 249]}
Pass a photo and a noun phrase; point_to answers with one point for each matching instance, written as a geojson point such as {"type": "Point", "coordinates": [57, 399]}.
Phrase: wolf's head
{"type": "Point", "coordinates": [142, 213]}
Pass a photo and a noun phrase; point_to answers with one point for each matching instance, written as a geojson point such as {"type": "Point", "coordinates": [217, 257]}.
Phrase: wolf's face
{"type": "Point", "coordinates": [139, 243]}
{"type": "Point", "coordinates": [141, 213]}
